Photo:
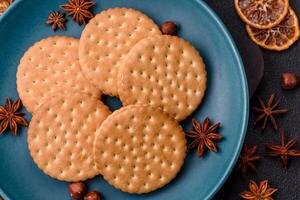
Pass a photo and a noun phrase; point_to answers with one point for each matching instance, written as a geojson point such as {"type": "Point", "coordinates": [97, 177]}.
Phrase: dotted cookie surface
{"type": "Point", "coordinates": [106, 39]}
{"type": "Point", "coordinates": [139, 149]}
{"type": "Point", "coordinates": [163, 71]}
{"type": "Point", "coordinates": [61, 136]}
{"type": "Point", "coordinates": [50, 67]}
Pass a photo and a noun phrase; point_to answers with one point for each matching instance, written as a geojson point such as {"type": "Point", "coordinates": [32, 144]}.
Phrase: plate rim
{"type": "Point", "coordinates": [245, 93]}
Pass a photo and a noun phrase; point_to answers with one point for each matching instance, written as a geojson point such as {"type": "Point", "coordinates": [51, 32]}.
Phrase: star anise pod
{"type": "Point", "coordinates": [268, 111]}
{"type": "Point", "coordinates": [261, 192]}
{"type": "Point", "coordinates": [203, 136]}
{"type": "Point", "coordinates": [283, 150]}
{"type": "Point", "coordinates": [79, 10]}
{"type": "Point", "coordinates": [4, 4]}
{"type": "Point", "coordinates": [9, 116]}
{"type": "Point", "coordinates": [247, 158]}
{"type": "Point", "coordinates": [56, 20]}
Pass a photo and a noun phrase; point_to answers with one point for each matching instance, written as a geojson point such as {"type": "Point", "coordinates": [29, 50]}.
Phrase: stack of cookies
{"type": "Point", "coordinates": [73, 136]}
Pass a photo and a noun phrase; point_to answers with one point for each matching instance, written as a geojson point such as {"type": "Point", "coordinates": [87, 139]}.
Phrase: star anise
{"type": "Point", "coordinates": [56, 20]}
{"type": "Point", "coordinates": [268, 111]}
{"type": "Point", "coordinates": [79, 10]}
{"type": "Point", "coordinates": [283, 150]}
{"type": "Point", "coordinates": [4, 4]}
{"type": "Point", "coordinates": [247, 158]}
{"type": "Point", "coordinates": [261, 192]}
{"type": "Point", "coordinates": [203, 136]}
{"type": "Point", "coordinates": [9, 116]}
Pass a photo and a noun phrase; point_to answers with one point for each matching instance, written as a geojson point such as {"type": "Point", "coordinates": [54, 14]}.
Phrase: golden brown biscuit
{"type": "Point", "coordinates": [48, 68]}
{"type": "Point", "coordinates": [106, 39]}
{"type": "Point", "coordinates": [163, 71]}
{"type": "Point", "coordinates": [61, 135]}
{"type": "Point", "coordinates": [139, 149]}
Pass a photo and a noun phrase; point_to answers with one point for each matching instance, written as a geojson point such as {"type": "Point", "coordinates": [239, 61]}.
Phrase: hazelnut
{"type": "Point", "coordinates": [289, 81]}
{"type": "Point", "coordinates": [92, 196]}
{"type": "Point", "coordinates": [77, 190]}
{"type": "Point", "coordinates": [169, 28]}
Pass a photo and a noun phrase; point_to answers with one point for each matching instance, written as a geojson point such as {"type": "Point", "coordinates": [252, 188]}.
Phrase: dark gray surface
{"type": "Point", "coordinates": [252, 58]}
{"type": "Point", "coordinates": [276, 63]}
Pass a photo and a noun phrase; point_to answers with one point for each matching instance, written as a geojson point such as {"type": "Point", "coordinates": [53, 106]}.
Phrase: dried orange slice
{"type": "Point", "coordinates": [262, 14]}
{"type": "Point", "coordinates": [4, 4]}
{"type": "Point", "coordinates": [279, 37]}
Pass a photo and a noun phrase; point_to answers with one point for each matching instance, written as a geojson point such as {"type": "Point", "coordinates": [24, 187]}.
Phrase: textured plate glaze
{"type": "Point", "coordinates": [226, 99]}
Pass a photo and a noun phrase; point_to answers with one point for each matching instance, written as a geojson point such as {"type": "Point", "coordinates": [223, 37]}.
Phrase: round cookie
{"type": "Point", "coordinates": [139, 149]}
{"type": "Point", "coordinates": [163, 71]}
{"type": "Point", "coordinates": [61, 136]}
{"type": "Point", "coordinates": [48, 68]}
{"type": "Point", "coordinates": [106, 39]}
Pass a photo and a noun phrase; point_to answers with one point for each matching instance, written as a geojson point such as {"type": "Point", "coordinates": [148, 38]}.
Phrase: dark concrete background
{"type": "Point", "coordinates": [287, 181]}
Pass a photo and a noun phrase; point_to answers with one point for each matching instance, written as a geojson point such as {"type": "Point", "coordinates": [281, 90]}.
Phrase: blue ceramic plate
{"type": "Point", "coordinates": [226, 100]}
